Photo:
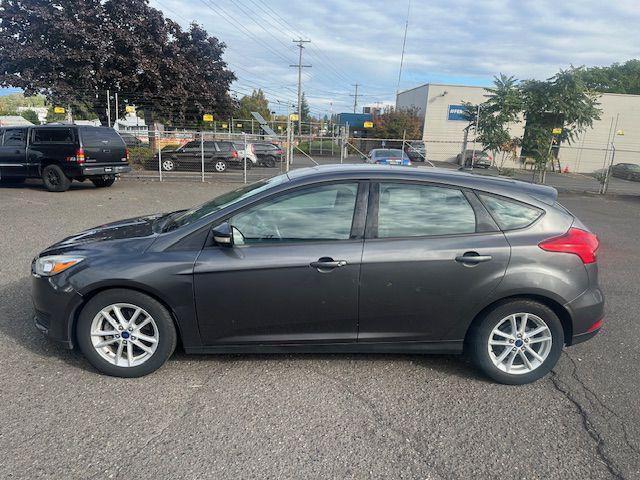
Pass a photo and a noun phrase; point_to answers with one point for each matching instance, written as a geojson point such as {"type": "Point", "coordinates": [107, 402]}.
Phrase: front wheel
{"type": "Point", "coordinates": [517, 342]}
{"type": "Point", "coordinates": [105, 181]}
{"type": "Point", "coordinates": [125, 333]}
{"type": "Point", "coordinates": [220, 166]}
{"type": "Point", "coordinates": [269, 162]}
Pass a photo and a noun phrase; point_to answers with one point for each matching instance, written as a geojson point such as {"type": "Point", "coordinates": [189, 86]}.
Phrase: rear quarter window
{"type": "Point", "coordinates": [510, 214]}
{"type": "Point", "coordinates": [225, 146]}
{"type": "Point", "coordinates": [98, 137]}
{"type": "Point", "coordinates": [53, 135]}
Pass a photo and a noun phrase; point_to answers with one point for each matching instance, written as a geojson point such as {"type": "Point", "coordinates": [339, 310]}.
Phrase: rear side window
{"type": "Point", "coordinates": [411, 210]}
{"type": "Point", "coordinates": [225, 146]}
{"type": "Point", "coordinates": [98, 137]}
{"type": "Point", "coordinates": [53, 135]}
{"type": "Point", "coordinates": [510, 214]}
{"type": "Point", "coordinates": [15, 137]}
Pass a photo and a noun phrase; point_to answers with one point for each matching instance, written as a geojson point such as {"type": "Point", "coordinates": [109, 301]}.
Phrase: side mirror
{"type": "Point", "coordinates": [223, 234]}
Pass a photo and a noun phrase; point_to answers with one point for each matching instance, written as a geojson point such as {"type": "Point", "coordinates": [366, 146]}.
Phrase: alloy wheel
{"type": "Point", "coordinates": [124, 334]}
{"type": "Point", "coordinates": [168, 165]}
{"type": "Point", "coordinates": [220, 166]}
{"type": "Point", "coordinates": [519, 343]}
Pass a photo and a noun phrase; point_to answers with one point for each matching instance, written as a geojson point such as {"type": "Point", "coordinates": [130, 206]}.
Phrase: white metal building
{"type": "Point", "coordinates": [441, 106]}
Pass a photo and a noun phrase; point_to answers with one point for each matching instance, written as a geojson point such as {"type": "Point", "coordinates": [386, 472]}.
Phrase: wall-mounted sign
{"type": "Point", "coordinates": [58, 109]}
{"type": "Point", "coordinates": [293, 117]}
{"type": "Point", "coordinates": [224, 125]}
{"type": "Point", "coordinates": [239, 125]}
{"type": "Point", "coordinates": [368, 124]}
{"type": "Point", "coordinates": [456, 113]}
{"type": "Point", "coordinates": [130, 109]}
{"type": "Point", "coordinates": [207, 117]}
{"type": "Point", "coordinates": [556, 131]}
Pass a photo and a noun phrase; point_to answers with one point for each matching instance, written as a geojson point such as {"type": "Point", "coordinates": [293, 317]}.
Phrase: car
{"type": "Point", "coordinates": [268, 153]}
{"type": "Point", "coordinates": [246, 151]}
{"type": "Point", "coordinates": [388, 156]}
{"type": "Point", "coordinates": [628, 171]}
{"type": "Point", "coordinates": [216, 155]}
{"type": "Point", "coordinates": [60, 153]}
{"type": "Point", "coordinates": [337, 258]}
{"type": "Point", "coordinates": [416, 151]}
{"type": "Point", "coordinates": [480, 159]}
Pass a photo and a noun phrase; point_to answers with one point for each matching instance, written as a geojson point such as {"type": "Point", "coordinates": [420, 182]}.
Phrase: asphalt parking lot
{"type": "Point", "coordinates": [307, 416]}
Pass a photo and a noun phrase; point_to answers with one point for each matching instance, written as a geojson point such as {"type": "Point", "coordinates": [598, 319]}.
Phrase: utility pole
{"type": "Point", "coordinates": [355, 97]}
{"type": "Point", "coordinates": [300, 66]}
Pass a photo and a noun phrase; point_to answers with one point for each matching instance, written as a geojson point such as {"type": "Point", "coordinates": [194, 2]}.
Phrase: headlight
{"type": "Point", "coordinates": [55, 264]}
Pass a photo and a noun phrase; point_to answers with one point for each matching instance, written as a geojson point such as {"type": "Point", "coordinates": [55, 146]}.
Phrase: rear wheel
{"type": "Point", "coordinates": [105, 181]}
{"type": "Point", "coordinates": [168, 165]}
{"type": "Point", "coordinates": [125, 333]}
{"type": "Point", "coordinates": [248, 163]}
{"type": "Point", "coordinates": [54, 179]}
{"type": "Point", "coordinates": [517, 342]}
{"type": "Point", "coordinates": [269, 162]}
{"type": "Point", "coordinates": [220, 166]}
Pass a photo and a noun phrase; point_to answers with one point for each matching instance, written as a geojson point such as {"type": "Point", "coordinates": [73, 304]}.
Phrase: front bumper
{"type": "Point", "coordinates": [585, 311]}
{"type": "Point", "coordinates": [55, 305]}
{"type": "Point", "coordinates": [105, 170]}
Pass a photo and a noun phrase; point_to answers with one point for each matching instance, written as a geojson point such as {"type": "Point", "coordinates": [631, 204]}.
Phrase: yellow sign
{"type": "Point", "coordinates": [130, 109]}
{"type": "Point", "coordinates": [293, 117]}
{"type": "Point", "coordinates": [58, 109]}
{"type": "Point", "coordinates": [556, 131]}
{"type": "Point", "coordinates": [620, 132]}
{"type": "Point", "coordinates": [207, 117]}
{"type": "Point", "coordinates": [239, 125]}
{"type": "Point", "coordinates": [368, 124]}
{"type": "Point", "coordinates": [224, 125]}
{"type": "Point", "coordinates": [279, 127]}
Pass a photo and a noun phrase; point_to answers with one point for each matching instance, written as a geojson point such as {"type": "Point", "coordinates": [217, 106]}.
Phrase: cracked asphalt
{"type": "Point", "coordinates": [307, 416]}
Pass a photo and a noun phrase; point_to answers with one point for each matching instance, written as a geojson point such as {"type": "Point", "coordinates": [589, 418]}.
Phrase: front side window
{"type": "Point", "coordinates": [15, 137]}
{"type": "Point", "coordinates": [509, 214]}
{"type": "Point", "coordinates": [413, 210]}
{"type": "Point", "coordinates": [53, 135]}
{"type": "Point", "coordinates": [320, 213]}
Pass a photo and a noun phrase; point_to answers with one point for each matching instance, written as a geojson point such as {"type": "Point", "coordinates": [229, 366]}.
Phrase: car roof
{"type": "Point", "coordinates": [518, 190]}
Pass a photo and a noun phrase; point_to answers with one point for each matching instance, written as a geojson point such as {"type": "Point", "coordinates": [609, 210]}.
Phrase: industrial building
{"type": "Point", "coordinates": [441, 107]}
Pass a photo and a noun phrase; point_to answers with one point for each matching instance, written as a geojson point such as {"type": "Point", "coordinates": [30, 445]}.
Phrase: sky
{"type": "Point", "coordinates": [448, 41]}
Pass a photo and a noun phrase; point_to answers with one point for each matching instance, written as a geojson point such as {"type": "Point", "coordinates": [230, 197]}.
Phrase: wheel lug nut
{"type": "Point", "coordinates": [117, 336]}
{"type": "Point", "coordinates": [511, 340]}
{"type": "Point", "coordinates": [120, 327]}
{"type": "Point", "coordinates": [514, 349]}
{"type": "Point", "coordinates": [133, 338]}
{"type": "Point", "coordinates": [130, 329]}
{"type": "Point", "coordinates": [124, 341]}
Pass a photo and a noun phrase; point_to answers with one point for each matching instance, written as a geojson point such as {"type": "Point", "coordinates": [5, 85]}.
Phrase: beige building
{"type": "Point", "coordinates": [441, 107]}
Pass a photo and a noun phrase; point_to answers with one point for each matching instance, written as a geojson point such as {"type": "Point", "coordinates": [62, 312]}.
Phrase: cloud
{"type": "Point", "coordinates": [457, 41]}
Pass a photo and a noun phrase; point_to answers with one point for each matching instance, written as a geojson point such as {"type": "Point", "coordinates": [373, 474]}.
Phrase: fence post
{"type": "Point", "coordinates": [202, 152]}
{"type": "Point", "coordinates": [605, 184]}
{"type": "Point", "coordinates": [244, 162]}
{"type": "Point", "coordinates": [159, 155]}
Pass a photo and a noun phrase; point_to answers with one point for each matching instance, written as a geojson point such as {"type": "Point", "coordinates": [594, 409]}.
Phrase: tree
{"type": "Point", "coordinates": [617, 78]}
{"type": "Point", "coordinates": [31, 116]}
{"type": "Point", "coordinates": [256, 102]}
{"type": "Point", "coordinates": [73, 51]}
{"type": "Point", "coordinates": [304, 109]}
{"type": "Point", "coordinates": [394, 123]}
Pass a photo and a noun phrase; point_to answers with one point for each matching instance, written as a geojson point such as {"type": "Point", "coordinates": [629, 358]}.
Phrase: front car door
{"type": "Point", "coordinates": [415, 283]}
{"type": "Point", "coordinates": [13, 152]}
{"type": "Point", "coordinates": [292, 276]}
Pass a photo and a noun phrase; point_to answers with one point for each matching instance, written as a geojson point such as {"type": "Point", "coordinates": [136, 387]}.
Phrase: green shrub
{"type": "Point", "coordinates": [140, 155]}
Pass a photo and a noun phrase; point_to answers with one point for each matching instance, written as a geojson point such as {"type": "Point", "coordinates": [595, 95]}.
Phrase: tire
{"type": "Point", "coordinates": [248, 162]}
{"type": "Point", "coordinates": [219, 166]}
{"type": "Point", "coordinates": [487, 357]}
{"type": "Point", "coordinates": [101, 182]}
{"type": "Point", "coordinates": [168, 165]}
{"type": "Point", "coordinates": [270, 162]}
{"type": "Point", "coordinates": [161, 328]}
{"type": "Point", "coordinates": [54, 179]}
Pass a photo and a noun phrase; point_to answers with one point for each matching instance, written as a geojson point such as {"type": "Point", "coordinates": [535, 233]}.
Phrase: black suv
{"type": "Point", "coordinates": [60, 153]}
{"type": "Point", "coordinates": [218, 155]}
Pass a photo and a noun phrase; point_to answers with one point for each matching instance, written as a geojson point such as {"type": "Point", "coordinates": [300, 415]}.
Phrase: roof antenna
{"type": "Point", "coordinates": [404, 42]}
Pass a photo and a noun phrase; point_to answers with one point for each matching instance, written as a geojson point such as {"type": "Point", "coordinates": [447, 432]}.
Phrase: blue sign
{"type": "Point", "coordinates": [456, 113]}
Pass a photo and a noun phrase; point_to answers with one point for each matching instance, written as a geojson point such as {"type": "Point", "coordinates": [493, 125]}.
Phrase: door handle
{"type": "Point", "coordinates": [473, 258]}
{"type": "Point", "coordinates": [326, 263]}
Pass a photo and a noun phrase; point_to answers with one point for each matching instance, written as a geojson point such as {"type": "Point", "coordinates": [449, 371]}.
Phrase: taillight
{"type": "Point", "coordinates": [235, 154]}
{"type": "Point", "coordinates": [126, 154]}
{"type": "Point", "coordinates": [80, 155]}
{"type": "Point", "coordinates": [575, 241]}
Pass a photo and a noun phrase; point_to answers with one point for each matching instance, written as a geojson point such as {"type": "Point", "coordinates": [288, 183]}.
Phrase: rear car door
{"type": "Point", "coordinates": [292, 275]}
{"type": "Point", "coordinates": [13, 152]}
{"type": "Point", "coordinates": [419, 278]}
{"type": "Point", "coordinates": [102, 146]}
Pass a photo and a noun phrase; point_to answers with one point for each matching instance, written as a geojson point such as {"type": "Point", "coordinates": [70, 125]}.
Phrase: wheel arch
{"type": "Point", "coordinates": [563, 314]}
{"type": "Point", "coordinates": [88, 295]}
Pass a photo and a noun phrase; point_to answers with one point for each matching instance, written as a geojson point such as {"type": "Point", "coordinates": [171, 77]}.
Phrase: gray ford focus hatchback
{"type": "Point", "coordinates": [358, 258]}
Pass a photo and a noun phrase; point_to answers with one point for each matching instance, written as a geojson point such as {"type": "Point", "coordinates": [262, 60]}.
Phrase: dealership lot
{"type": "Point", "coordinates": [307, 416]}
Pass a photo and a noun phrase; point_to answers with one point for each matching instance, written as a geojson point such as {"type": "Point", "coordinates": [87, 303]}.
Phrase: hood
{"type": "Point", "coordinates": [127, 232]}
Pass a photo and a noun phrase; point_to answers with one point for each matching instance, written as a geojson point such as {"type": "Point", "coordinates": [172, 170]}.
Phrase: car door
{"type": "Point", "coordinates": [292, 275]}
{"type": "Point", "coordinates": [13, 152]}
{"type": "Point", "coordinates": [419, 277]}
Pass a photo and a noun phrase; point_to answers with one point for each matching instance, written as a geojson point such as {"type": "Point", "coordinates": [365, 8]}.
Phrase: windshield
{"type": "Point", "coordinates": [226, 199]}
{"type": "Point", "coordinates": [389, 152]}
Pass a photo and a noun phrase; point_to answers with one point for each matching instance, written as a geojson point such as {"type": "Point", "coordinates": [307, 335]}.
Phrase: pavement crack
{"type": "Point", "coordinates": [589, 427]}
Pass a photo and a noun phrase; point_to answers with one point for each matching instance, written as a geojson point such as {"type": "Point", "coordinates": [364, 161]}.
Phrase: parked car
{"type": "Point", "coordinates": [628, 171]}
{"type": "Point", "coordinates": [480, 159]}
{"type": "Point", "coordinates": [268, 154]}
{"type": "Point", "coordinates": [340, 258]}
{"type": "Point", "coordinates": [61, 153]}
{"type": "Point", "coordinates": [416, 151]}
{"type": "Point", "coordinates": [249, 154]}
{"type": "Point", "coordinates": [218, 156]}
{"type": "Point", "coordinates": [388, 156]}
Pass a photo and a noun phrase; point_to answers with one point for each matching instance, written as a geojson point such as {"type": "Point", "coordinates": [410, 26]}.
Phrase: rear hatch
{"type": "Point", "coordinates": [102, 146]}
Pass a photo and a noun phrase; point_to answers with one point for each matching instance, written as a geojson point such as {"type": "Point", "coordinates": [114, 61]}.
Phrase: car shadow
{"type": "Point", "coordinates": [36, 184]}
{"type": "Point", "coordinates": [16, 323]}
